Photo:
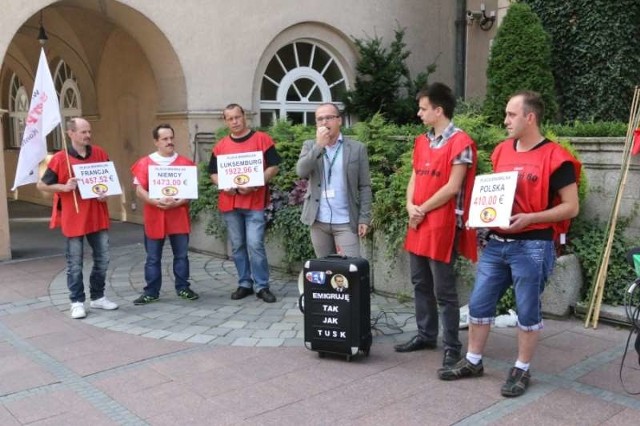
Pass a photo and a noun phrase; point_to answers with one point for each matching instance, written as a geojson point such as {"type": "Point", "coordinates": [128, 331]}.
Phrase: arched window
{"type": "Point", "coordinates": [299, 77]}
{"type": "Point", "coordinates": [69, 96]}
{"type": "Point", "coordinates": [18, 111]}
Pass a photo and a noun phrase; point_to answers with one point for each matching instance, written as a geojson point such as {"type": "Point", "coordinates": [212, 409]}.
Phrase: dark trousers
{"type": "Point", "coordinates": [436, 298]}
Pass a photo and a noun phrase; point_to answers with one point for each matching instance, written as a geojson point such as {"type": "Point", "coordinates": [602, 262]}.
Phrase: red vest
{"type": "Point", "coordinates": [92, 215]}
{"type": "Point", "coordinates": [534, 168]}
{"type": "Point", "coordinates": [159, 223]}
{"type": "Point", "coordinates": [257, 200]}
{"type": "Point", "coordinates": [435, 236]}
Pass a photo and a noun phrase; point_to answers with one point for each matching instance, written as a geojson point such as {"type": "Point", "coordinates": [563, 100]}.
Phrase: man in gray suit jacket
{"type": "Point", "coordinates": [337, 204]}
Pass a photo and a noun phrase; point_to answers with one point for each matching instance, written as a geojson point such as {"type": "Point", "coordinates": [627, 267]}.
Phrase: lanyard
{"type": "Point", "coordinates": [332, 161]}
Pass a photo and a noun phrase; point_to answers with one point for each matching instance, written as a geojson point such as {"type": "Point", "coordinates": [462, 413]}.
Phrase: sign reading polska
{"type": "Point", "coordinates": [173, 181]}
{"type": "Point", "coordinates": [492, 200]}
{"type": "Point", "coordinates": [97, 179]}
{"type": "Point", "coordinates": [245, 169]}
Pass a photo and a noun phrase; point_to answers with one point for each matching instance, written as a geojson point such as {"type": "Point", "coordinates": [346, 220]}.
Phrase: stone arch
{"type": "Point", "coordinates": [338, 44]}
{"type": "Point", "coordinates": [79, 31]}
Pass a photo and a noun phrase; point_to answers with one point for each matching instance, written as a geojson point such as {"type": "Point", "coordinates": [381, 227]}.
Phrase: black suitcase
{"type": "Point", "coordinates": [337, 306]}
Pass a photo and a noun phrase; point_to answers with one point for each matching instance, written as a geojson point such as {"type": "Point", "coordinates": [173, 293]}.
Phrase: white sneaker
{"type": "Point", "coordinates": [103, 303]}
{"type": "Point", "coordinates": [77, 310]}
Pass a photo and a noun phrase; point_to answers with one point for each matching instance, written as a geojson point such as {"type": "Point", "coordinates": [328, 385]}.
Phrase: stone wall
{"type": "Point", "coordinates": [602, 162]}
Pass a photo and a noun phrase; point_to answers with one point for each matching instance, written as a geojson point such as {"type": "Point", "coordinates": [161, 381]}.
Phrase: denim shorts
{"type": "Point", "coordinates": [525, 264]}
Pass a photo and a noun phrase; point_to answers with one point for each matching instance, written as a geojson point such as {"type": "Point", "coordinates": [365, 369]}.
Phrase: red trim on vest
{"type": "Point", "coordinates": [93, 215]}
{"type": "Point", "coordinates": [257, 200]}
{"type": "Point", "coordinates": [435, 236]}
{"type": "Point", "coordinates": [159, 223]}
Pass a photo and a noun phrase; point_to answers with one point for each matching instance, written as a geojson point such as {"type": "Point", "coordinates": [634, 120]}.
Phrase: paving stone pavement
{"type": "Point", "coordinates": [214, 318]}
{"type": "Point", "coordinates": [219, 361]}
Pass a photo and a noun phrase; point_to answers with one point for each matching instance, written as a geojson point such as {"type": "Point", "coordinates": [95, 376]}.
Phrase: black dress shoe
{"type": "Point", "coordinates": [241, 293]}
{"type": "Point", "coordinates": [451, 357]}
{"type": "Point", "coordinates": [415, 344]}
{"type": "Point", "coordinates": [266, 295]}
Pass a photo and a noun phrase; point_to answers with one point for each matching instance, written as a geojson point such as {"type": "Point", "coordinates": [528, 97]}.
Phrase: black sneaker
{"type": "Point", "coordinates": [188, 294]}
{"type": "Point", "coordinates": [266, 295]}
{"type": "Point", "coordinates": [145, 300]}
{"type": "Point", "coordinates": [241, 293]}
{"type": "Point", "coordinates": [451, 357]}
{"type": "Point", "coordinates": [517, 382]}
{"type": "Point", "coordinates": [461, 369]}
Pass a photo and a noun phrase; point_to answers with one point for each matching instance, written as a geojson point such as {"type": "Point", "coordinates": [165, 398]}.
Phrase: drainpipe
{"type": "Point", "coordinates": [460, 48]}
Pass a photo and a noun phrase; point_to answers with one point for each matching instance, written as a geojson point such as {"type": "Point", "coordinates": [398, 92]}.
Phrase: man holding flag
{"type": "Point", "coordinates": [87, 219]}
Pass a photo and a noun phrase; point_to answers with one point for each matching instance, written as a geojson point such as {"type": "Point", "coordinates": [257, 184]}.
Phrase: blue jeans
{"type": "Point", "coordinates": [153, 264]}
{"type": "Point", "coordinates": [99, 242]}
{"type": "Point", "coordinates": [526, 264]}
{"type": "Point", "coordinates": [245, 229]}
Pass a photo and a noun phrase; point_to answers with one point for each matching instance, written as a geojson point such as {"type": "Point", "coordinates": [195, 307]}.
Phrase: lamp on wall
{"type": "Point", "coordinates": [42, 34]}
{"type": "Point", "coordinates": [480, 16]}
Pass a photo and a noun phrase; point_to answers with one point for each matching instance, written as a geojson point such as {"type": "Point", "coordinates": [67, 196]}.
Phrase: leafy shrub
{"type": "Point", "coordinates": [587, 242]}
{"type": "Point", "coordinates": [588, 129]}
{"type": "Point", "coordinates": [520, 60]}
{"type": "Point", "coordinates": [383, 82]}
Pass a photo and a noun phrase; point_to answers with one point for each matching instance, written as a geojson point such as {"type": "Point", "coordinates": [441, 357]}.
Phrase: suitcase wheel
{"type": "Point", "coordinates": [321, 354]}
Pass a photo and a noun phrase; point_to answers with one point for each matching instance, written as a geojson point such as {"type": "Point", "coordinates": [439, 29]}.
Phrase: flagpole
{"type": "Point", "coordinates": [66, 155]}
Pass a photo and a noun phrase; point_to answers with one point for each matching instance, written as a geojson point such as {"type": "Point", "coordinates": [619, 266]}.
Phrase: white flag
{"type": "Point", "coordinates": [44, 116]}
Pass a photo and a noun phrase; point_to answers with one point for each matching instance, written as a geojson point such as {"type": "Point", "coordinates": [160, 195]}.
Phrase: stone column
{"type": "Point", "coordinates": [5, 240]}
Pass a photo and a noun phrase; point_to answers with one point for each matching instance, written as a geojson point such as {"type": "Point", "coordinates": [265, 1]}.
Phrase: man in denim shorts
{"type": "Point", "coordinates": [523, 254]}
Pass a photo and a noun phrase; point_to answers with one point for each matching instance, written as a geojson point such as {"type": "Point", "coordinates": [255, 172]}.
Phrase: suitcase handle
{"type": "Point", "coordinates": [336, 256]}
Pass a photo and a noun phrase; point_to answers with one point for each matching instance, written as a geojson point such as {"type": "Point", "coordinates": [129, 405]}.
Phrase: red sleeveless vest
{"type": "Point", "coordinates": [159, 223]}
{"type": "Point", "coordinates": [92, 215]}
{"type": "Point", "coordinates": [435, 236]}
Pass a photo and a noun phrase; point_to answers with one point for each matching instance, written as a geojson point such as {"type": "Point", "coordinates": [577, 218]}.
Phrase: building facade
{"type": "Point", "coordinates": [128, 65]}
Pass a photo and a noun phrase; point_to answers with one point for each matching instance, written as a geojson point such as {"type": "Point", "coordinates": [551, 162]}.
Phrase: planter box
{"type": "Point", "coordinates": [200, 241]}
{"type": "Point", "coordinates": [392, 276]}
{"type": "Point", "coordinates": [563, 289]}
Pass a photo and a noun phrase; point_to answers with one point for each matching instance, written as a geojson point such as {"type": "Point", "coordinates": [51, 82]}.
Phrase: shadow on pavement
{"type": "Point", "coordinates": [31, 237]}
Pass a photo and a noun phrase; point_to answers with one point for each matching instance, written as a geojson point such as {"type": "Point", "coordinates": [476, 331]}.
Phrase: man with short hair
{"type": "Point", "coordinates": [243, 207]}
{"type": "Point", "coordinates": [163, 217]}
{"type": "Point", "coordinates": [522, 254]}
{"type": "Point", "coordinates": [337, 206]}
{"type": "Point", "coordinates": [90, 220]}
{"type": "Point", "coordinates": [438, 197]}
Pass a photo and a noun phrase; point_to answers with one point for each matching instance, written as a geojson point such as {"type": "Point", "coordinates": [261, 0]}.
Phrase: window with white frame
{"type": "Point", "coordinates": [18, 111]}
{"type": "Point", "coordinates": [299, 77]}
{"type": "Point", "coordinates": [69, 96]}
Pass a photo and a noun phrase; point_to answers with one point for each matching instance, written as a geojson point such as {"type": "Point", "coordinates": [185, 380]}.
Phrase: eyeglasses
{"type": "Point", "coordinates": [326, 118]}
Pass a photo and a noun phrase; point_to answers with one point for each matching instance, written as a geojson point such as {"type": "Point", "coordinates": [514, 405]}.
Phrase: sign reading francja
{"type": "Point", "coordinates": [97, 179]}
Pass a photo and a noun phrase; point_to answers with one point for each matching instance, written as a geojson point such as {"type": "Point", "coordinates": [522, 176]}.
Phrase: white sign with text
{"type": "Point", "coordinates": [245, 169]}
{"type": "Point", "coordinates": [492, 200]}
{"type": "Point", "coordinates": [173, 181]}
{"type": "Point", "coordinates": [96, 179]}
